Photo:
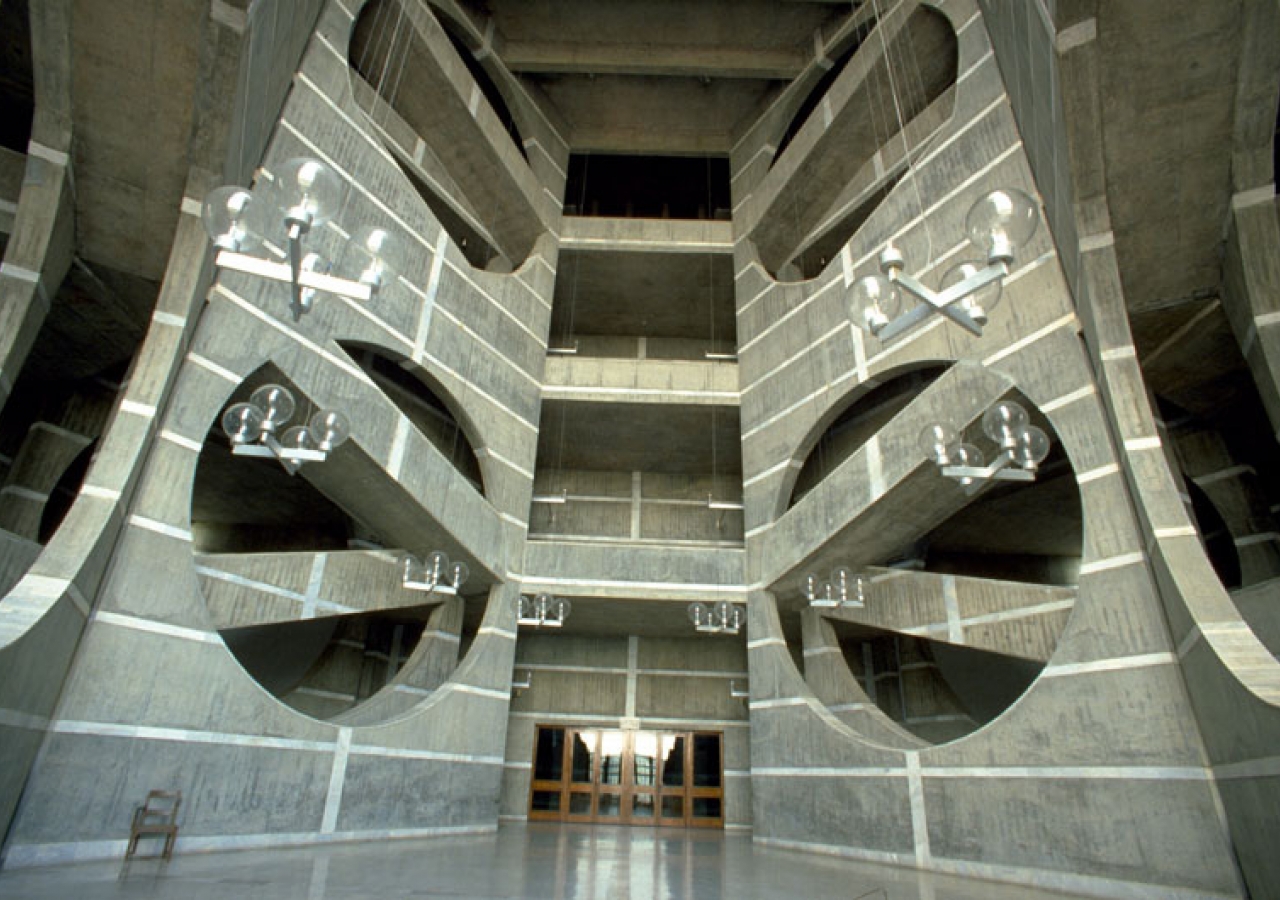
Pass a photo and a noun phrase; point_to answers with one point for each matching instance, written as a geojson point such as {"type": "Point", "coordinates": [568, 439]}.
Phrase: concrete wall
{"type": "Point", "coordinates": [634, 682]}
{"type": "Point", "coordinates": [188, 716]}
{"type": "Point", "coordinates": [1104, 737]}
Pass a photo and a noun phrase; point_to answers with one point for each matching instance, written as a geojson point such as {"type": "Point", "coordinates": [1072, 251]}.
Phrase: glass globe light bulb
{"type": "Point", "coordinates": [459, 572]}
{"type": "Point", "coordinates": [936, 441]}
{"type": "Point", "coordinates": [825, 592]}
{"type": "Point", "coordinates": [308, 191]}
{"type": "Point", "coordinates": [873, 302]}
{"type": "Point", "coordinates": [698, 613]}
{"type": "Point", "coordinates": [1003, 421]}
{"type": "Point", "coordinates": [373, 256]}
{"type": "Point", "coordinates": [242, 422]}
{"type": "Point", "coordinates": [967, 455]}
{"type": "Point", "coordinates": [1001, 222]}
{"type": "Point", "coordinates": [233, 217]}
{"type": "Point", "coordinates": [811, 586]}
{"type": "Point", "coordinates": [562, 607]}
{"type": "Point", "coordinates": [277, 405]}
{"type": "Point", "coordinates": [435, 566]}
{"type": "Point", "coordinates": [297, 437]}
{"type": "Point", "coordinates": [412, 568]}
{"type": "Point", "coordinates": [1032, 448]}
{"type": "Point", "coordinates": [842, 582]}
{"type": "Point", "coordinates": [859, 591]}
{"type": "Point", "coordinates": [329, 429]}
{"type": "Point", "coordinates": [524, 607]}
{"type": "Point", "coordinates": [979, 303]}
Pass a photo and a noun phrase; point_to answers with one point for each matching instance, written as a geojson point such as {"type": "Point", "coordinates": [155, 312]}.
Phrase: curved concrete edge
{"type": "Point", "coordinates": [40, 638]}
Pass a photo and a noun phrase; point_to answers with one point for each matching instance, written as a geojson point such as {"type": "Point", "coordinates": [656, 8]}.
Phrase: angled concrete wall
{"type": "Point", "coordinates": [1104, 738]}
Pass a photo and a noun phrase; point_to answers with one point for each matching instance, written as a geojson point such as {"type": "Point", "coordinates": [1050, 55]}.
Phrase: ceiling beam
{"type": "Point", "coordinates": [639, 59]}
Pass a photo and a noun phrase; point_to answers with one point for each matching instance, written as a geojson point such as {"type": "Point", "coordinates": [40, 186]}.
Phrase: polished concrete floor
{"type": "Point", "coordinates": [538, 862]}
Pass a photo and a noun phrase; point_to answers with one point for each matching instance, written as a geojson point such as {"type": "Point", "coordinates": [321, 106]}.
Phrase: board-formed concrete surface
{"type": "Point", "coordinates": [635, 414]}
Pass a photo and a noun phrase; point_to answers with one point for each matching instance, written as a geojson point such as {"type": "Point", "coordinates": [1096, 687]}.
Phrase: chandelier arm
{"type": "Point", "coordinates": [265, 268]}
{"type": "Point", "coordinates": [906, 321]}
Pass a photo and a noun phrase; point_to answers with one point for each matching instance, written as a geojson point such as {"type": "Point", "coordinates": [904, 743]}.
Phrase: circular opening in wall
{"type": "Point", "coordinates": [306, 593]}
{"type": "Point", "coordinates": [966, 590]}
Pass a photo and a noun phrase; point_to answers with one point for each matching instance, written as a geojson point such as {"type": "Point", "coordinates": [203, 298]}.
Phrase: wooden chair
{"type": "Point", "coordinates": [158, 816]}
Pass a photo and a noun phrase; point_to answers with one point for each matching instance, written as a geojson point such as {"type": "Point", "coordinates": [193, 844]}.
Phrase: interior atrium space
{"type": "Point", "coordinates": [692, 441]}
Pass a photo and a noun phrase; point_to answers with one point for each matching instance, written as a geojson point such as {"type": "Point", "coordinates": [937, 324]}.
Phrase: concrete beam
{"type": "Point", "coordinates": [629, 59]}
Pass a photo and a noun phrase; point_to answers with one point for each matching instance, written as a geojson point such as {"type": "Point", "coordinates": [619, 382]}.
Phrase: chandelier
{"type": "Point", "coordinates": [543, 610]}
{"type": "Point", "coordinates": [721, 617]}
{"type": "Point", "coordinates": [304, 194]}
{"type": "Point", "coordinates": [254, 428]}
{"type": "Point", "coordinates": [844, 589]}
{"type": "Point", "coordinates": [435, 574]}
{"type": "Point", "coordinates": [998, 224]}
{"type": "Point", "coordinates": [1020, 448]}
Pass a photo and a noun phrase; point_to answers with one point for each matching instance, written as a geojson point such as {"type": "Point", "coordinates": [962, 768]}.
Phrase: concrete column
{"type": "Point", "coordinates": [1251, 290]}
{"type": "Point", "coordinates": [43, 457]}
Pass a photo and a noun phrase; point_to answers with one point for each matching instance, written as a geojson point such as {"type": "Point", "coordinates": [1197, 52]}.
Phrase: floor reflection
{"type": "Point", "coordinates": [529, 862]}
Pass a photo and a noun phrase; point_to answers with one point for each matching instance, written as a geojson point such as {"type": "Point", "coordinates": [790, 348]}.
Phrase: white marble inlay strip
{"type": "Point", "coordinates": [133, 407]}
{"type": "Point", "coordinates": [1116, 664]}
{"type": "Point", "coordinates": [919, 819]}
{"type": "Point", "coordinates": [766, 642]}
{"type": "Point", "coordinates": [185, 735]}
{"type": "Point", "coordinates": [1143, 443]}
{"type": "Point", "coordinates": [167, 318]}
{"type": "Point", "coordinates": [1053, 405]}
{"type": "Point", "coordinates": [150, 626]}
{"type": "Point", "coordinates": [399, 441]}
{"type": "Point", "coordinates": [637, 585]}
{"type": "Point", "coordinates": [489, 693]}
{"type": "Point", "coordinates": [772, 470]}
{"type": "Point", "coordinates": [810, 652]}
{"type": "Point", "coordinates": [158, 527]}
{"type": "Point", "coordinates": [102, 493]}
{"type": "Point", "coordinates": [1116, 773]}
{"type": "Point", "coordinates": [337, 778]}
{"type": "Point", "coordinates": [251, 583]}
{"type": "Point", "coordinates": [1175, 532]}
{"type": "Point", "coordinates": [827, 772]}
{"type": "Point", "coordinates": [182, 441]}
{"type": "Point", "coordinates": [210, 366]}
{"type": "Point", "coordinates": [1077, 35]}
{"type": "Point", "coordinates": [1117, 353]}
{"type": "Point", "coordinates": [1069, 320]}
{"type": "Point", "coordinates": [1113, 562]}
{"type": "Point", "coordinates": [1100, 472]}
{"type": "Point", "coordinates": [272, 322]}
{"type": "Point", "coordinates": [1224, 475]}
{"type": "Point", "coordinates": [778, 702]}
{"type": "Point", "coordinates": [494, 631]}
{"type": "Point", "coordinates": [955, 630]}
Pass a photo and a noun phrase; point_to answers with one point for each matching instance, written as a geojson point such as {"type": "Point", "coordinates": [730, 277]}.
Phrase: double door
{"type": "Point", "coordinates": [628, 777]}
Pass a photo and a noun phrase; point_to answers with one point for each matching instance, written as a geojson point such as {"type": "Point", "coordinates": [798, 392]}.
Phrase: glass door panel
{"type": "Point", "coordinates": [627, 777]}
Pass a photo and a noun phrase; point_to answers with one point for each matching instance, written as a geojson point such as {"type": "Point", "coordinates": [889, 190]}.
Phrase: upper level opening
{"type": "Point", "coordinates": [648, 187]}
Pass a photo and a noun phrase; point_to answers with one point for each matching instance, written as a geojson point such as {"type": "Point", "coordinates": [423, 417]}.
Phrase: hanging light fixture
{"type": "Point", "coordinates": [434, 574]}
{"type": "Point", "coordinates": [999, 224]}
{"type": "Point", "coordinates": [721, 617]}
{"type": "Point", "coordinates": [543, 610]}
{"type": "Point", "coordinates": [304, 194]}
{"type": "Point", "coordinates": [1020, 448]}
{"type": "Point", "coordinates": [255, 429]}
{"type": "Point", "coordinates": [845, 589]}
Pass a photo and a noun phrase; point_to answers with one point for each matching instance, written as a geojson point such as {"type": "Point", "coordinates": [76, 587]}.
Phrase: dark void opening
{"type": "Point", "coordinates": [648, 187]}
{"type": "Point", "coordinates": [485, 83]}
{"type": "Point", "coordinates": [814, 97]}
